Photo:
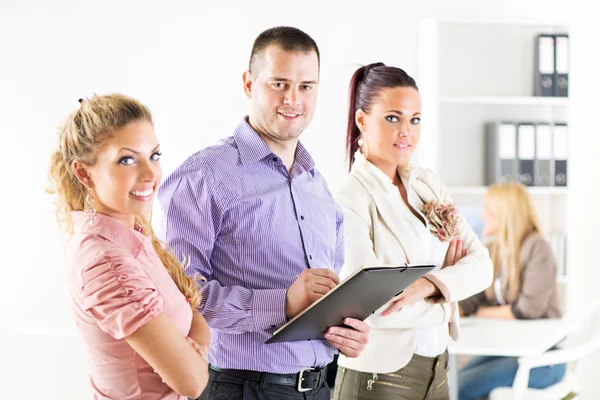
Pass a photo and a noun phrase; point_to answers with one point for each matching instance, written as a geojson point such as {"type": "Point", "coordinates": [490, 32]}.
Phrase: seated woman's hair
{"type": "Point", "coordinates": [516, 217]}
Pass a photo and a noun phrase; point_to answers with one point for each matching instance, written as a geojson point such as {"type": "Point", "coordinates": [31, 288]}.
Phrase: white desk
{"type": "Point", "coordinates": [500, 337]}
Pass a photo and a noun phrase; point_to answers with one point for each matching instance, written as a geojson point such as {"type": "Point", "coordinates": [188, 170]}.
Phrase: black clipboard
{"type": "Point", "coordinates": [357, 296]}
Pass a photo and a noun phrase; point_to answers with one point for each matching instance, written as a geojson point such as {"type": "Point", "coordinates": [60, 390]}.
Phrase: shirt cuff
{"type": "Point", "coordinates": [268, 307]}
{"type": "Point", "coordinates": [445, 293]}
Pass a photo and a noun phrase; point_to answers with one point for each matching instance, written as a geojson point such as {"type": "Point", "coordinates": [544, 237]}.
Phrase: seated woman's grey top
{"type": "Point", "coordinates": [538, 294]}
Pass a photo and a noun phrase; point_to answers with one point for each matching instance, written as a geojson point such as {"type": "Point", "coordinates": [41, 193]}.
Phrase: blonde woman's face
{"type": "Point", "coordinates": [391, 131]}
{"type": "Point", "coordinates": [127, 173]}
{"type": "Point", "coordinates": [490, 221]}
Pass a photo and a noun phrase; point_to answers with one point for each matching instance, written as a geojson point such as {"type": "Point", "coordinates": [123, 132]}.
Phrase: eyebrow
{"type": "Point", "coordinates": [401, 113]}
{"type": "Point", "coordinates": [137, 152]}
{"type": "Point", "coordinates": [287, 80]}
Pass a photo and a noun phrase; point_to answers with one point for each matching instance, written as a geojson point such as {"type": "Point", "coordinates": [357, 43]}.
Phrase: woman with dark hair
{"type": "Point", "coordinates": [396, 213]}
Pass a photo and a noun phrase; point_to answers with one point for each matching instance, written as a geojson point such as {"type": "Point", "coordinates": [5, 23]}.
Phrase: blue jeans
{"type": "Point", "coordinates": [483, 374]}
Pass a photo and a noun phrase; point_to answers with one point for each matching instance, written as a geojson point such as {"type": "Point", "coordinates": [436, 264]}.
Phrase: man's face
{"type": "Point", "coordinates": [283, 92]}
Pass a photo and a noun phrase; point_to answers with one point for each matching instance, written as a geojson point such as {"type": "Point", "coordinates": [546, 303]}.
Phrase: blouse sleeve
{"type": "Point", "coordinates": [119, 295]}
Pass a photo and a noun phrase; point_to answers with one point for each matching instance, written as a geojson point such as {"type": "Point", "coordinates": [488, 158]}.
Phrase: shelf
{"type": "Point", "coordinates": [506, 100]}
{"type": "Point", "coordinates": [480, 190]}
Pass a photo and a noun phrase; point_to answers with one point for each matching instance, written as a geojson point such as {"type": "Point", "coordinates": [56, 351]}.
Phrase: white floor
{"type": "Point", "coordinates": [46, 367]}
{"type": "Point", "coordinates": [52, 367]}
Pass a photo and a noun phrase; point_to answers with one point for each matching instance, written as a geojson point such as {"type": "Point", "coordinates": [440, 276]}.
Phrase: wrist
{"type": "Point", "coordinates": [288, 306]}
{"type": "Point", "coordinates": [430, 289]}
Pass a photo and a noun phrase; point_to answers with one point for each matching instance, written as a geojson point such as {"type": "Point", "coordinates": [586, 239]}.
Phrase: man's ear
{"type": "Point", "coordinates": [82, 173]}
{"type": "Point", "coordinates": [247, 77]}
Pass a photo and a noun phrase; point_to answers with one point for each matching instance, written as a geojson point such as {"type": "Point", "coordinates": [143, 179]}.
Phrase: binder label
{"type": "Point", "coordinates": [543, 142]}
{"type": "Point", "coordinates": [508, 141]}
{"type": "Point", "coordinates": [562, 55]}
{"type": "Point", "coordinates": [546, 55]}
{"type": "Point", "coordinates": [526, 142]}
{"type": "Point", "coordinates": [561, 142]}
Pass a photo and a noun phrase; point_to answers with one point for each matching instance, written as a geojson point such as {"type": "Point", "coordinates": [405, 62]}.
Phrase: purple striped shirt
{"type": "Point", "coordinates": [250, 229]}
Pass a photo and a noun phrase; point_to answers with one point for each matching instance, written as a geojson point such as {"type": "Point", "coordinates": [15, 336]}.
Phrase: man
{"type": "Point", "coordinates": [257, 220]}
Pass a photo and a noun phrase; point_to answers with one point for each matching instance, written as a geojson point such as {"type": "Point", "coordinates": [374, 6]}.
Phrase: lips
{"type": "Point", "coordinates": [289, 115]}
{"type": "Point", "coordinates": [143, 194]}
{"type": "Point", "coordinates": [402, 146]}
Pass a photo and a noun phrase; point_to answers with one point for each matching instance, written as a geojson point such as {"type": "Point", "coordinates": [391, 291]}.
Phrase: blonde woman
{"type": "Point", "coordinates": [396, 213]}
{"type": "Point", "coordinates": [524, 286]}
{"type": "Point", "coordinates": [132, 303]}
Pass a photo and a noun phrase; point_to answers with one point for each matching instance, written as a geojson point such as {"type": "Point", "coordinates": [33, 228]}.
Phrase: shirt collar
{"type": "Point", "coordinates": [408, 175]}
{"type": "Point", "coordinates": [130, 240]}
{"type": "Point", "coordinates": [304, 159]}
{"type": "Point", "coordinates": [252, 148]}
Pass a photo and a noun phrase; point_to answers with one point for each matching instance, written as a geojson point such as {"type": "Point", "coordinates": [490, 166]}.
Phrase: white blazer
{"type": "Point", "coordinates": [376, 235]}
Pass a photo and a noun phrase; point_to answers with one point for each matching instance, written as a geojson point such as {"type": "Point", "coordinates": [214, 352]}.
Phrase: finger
{"type": "Point", "coordinates": [357, 325]}
{"type": "Point", "coordinates": [459, 251]}
{"type": "Point", "coordinates": [324, 272]}
{"type": "Point", "coordinates": [312, 297]}
{"type": "Point", "coordinates": [195, 345]}
{"type": "Point", "coordinates": [347, 342]}
{"type": "Point", "coordinates": [349, 349]}
{"type": "Point", "coordinates": [451, 253]}
{"type": "Point", "coordinates": [400, 296]}
{"type": "Point", "coordinates": [350, 353]}
{"type": "Point", "coordinates": [319, 289]}
{"type": "Point", "coordinates": [204, 352]}
{"type": "Point", "coordinates": [192, 342]}
{"type": "Point", "coordinates": [351, 334]}
{"type": "Point", "coordinates": [446, 256]}
{"type": "Point", "coordinates": [393, 308]}
{"type": "Point", "coordinates": [319, 280]}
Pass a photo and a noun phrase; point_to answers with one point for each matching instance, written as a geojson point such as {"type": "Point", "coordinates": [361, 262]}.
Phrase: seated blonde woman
{"type": "Point", "coordinates": [524, 287]}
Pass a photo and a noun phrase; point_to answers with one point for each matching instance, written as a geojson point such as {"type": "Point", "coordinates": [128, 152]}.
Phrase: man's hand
{"type": "Point", "coordinates": [349, 341]}
{"type": "Point", "coordinates": [419, 290]}
{"type": "Point", "coordinates": [309, 286]}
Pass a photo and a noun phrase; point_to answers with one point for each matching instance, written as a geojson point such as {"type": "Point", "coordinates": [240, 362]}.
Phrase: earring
{"type": "Point", "coordinates": [360, 141]}
{"type": "Point", "coordinates": [90, 211]}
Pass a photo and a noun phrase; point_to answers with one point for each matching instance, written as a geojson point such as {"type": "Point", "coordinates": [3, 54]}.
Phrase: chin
{"type": "Point", "coordinates": [140, 211]}
{"type": "Point", "coordinates": [289, 135]}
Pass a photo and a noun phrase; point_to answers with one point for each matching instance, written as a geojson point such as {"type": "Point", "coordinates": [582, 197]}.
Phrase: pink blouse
{"type": "Point", "coordinates": [117, 283]}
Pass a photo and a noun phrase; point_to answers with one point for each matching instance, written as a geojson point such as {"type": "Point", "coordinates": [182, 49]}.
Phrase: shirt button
{"type": "Point", "coordinates": [275, 159]}
{"type": "Point", "coordinates": [310, 257]}
{"type": "Point", "coordinates": [302, 217]}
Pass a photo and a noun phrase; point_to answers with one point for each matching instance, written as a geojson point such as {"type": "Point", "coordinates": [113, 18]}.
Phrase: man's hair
{"type": "Point", "coordinates": [286, 37]}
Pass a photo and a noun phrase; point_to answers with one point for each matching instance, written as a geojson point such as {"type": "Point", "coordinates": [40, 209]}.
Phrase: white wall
{"type": "Point", "coordinates": [184, 60]}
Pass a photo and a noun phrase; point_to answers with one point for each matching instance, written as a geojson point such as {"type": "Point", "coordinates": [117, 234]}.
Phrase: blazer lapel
{"type": "Point", "coordinates": [384, 202]}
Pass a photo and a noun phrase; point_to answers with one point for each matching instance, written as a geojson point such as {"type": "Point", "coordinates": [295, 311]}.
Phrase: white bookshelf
{"type": "Point", "coordinates": [534, 191]}
{"type": "Point", "coordinates": [489, 76]}
{"type": "Point", "coordinates": [506, 100]}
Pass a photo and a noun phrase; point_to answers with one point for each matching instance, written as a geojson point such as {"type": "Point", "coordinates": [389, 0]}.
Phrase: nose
{"type": "Point", "coordinates": [291, 97]}
{"type": "Point", "coordinates": [404, 128]}
{"type": "Point", "coordinates": [149, 171]}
